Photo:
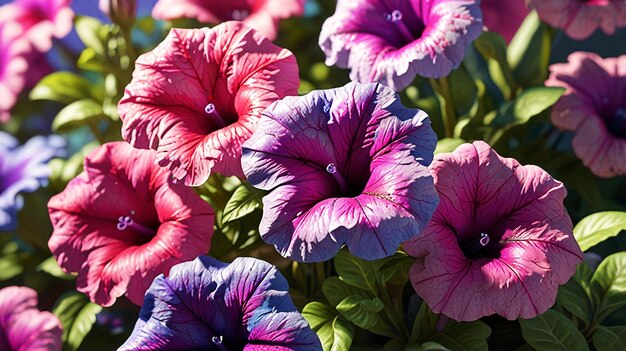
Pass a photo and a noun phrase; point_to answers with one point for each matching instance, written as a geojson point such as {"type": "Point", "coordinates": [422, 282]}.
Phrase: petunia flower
{"type": "Point", "coordinates": [391, 42]}
{"type": "Point", "coordinates": [580, 18]}
{"type": "Point", "coordinates": [13, 67]}
{"type": "Point", "coordinates": [504, 16]}
{"type": "Point", "coordinates": [198, 96]}
{"type": "Point", "coordinates": [123, 221]}
{"type": "Point", "coordinates": [500, 241]}
{"type": "Point", "coordinates": [23, 169]}
{"type": "Point", "coordinates": [262, 15]}
{"type": "Point", "coordinates": [210, 305]}
{"type": "Point", "coordinates": [40, 20]}
{"type": "Point", "coordinates": [594, 108]}
{"type": "Point", "coordinates": [23, 326]}
{"type": "Point", "coordinates": [342, 166]}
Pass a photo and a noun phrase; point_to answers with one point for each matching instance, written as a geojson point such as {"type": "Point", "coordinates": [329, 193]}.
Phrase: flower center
{"type": "Point", "coordinates": [125, 222]}
{"type": "Point", "coordinates": [616, 124]}
{"type": "Point", "coordinates": [478, 247]}
{"type": "Point", "coordinates": [211, 110]}
{"type": "Point", "coordinates": [345, 189]}
{"type": "Point", "coordinates": [219, 342]}
{"type": "Point", "coordinates": [395, 17]}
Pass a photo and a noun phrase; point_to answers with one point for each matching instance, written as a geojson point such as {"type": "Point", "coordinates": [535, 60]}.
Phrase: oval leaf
{"type": "Point", "coordinates": [334, 331]}
{"type": "Point", "coordinates": [610, 338]}
{"type": "Point", "coordinates": [598, 227]}
{"type": "Point", "coordinates": [357, 272]}
{"type": "Point", "coordinates": [361, 311]}
{"type": "Point", "coordinates": [608, 286]}
{"type": "Point", "coordinates": [244, 201]}
{"type": "Point", "coordinates": [77, 114]}
{"type": "Point", "coordinates": [552, 331]}
{"type": "Point", "coordinates": [77, 314]}
{"type": "Point", "coordinates": [63, 87]}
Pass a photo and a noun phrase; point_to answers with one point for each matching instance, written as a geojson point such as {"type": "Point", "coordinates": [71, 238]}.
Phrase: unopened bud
{"type": "Point", "coordinates": [122, 12]}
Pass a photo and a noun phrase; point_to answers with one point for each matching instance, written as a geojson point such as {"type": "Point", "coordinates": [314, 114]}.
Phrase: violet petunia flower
{"type": "Point", "coordinates": [13, 67]}
{"type": "Point", "coordinates": [23, 327]}
{"type": "Point", "coordinates": [262, 15]}
{"type": "Point", "coordinates": [391, 42]}
{"type": "Point", "coordinates": [23, 169]}
{"type": "Point", "coordinates": [123, 221]}
{"type": "Point", "coordinates": [504, 16]}
{"type": "Point", "coordinates": [594, 108]}
{"type": "Point", "coordinates": [40, 20]}
{"type": "Point", "coordinates": [210, 305]}
{"type": "Point", "coordinates": [500, 241]}
{"type": "Point", "coordinates": [342, 166]}
{"type": "Point", "coordinates": [199, 95]}
{"type": "Point", "coordinates": [580, 18]}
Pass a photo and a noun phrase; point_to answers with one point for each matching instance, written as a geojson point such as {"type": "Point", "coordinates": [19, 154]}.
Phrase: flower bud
{"type": "Point", "coordinates": [122, 12]}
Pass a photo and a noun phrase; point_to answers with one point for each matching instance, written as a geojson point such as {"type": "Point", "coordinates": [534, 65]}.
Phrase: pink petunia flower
{"type": "Point", "coordinates": [579, 19]}
{"type": "Point", "coordinates": [40, 20]}
{"type": "Point", "coordinates": [262, 15]}
{"type": "Point", "coordinates": [23, 327]}
{"type": "Point", "coordinates": [199, 95]}
{"type": "Point", "coordinates": [391, 42]}
{"type": "Point", "coordinates": [504, 16]}
{"type": "Point", "coordinates": [594, 108]}
{"type": "Point", "coordinates": [500, 241]}
{"type": "Point", "coordinates": [13, 67]}
{"type": "Point", "coordinates": [123, 221]}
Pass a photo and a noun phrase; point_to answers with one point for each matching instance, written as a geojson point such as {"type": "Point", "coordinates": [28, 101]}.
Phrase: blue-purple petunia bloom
{"type": "Point", "coordinates": [391, 42]}
{"type": "Point", "coordinates": [342, 166]}
{"type": "Point", "coordinates": [206, 304]}
{"type": "Point", "coordinates": [23, 169]}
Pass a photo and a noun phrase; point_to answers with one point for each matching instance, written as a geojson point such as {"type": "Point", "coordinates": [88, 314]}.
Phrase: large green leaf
{"type": "Point", "coordinates": [361, 311]}
{"type": "Point", "coordinates": [448, 145]}
{"type": "Point", "coordinates": [492, 48]}
{"type": "Point", "coordinates": [598, 227]}
{"type": "Point", "coordinates": [77, 114]}
{"type": "Point", "coordinates": [396, 269]}
{"type": "Point", "coordinates": [529, 52]}
{"type": "Point", "coordinates": [357, 272]}
{"type": "Point", "coordinates": [77, 314]}
{"type": "Point", "coordinates": [610, 338]}
{"type": "Point", "coordinates": [51, 267]}
{"type": "Point", "coordinates": [573, 297]}
{"type": "Point", "coordinates": [334, 331]}
{"type": "Point", "coordinates": [64, 87]}
{"type": "Point", "coordinates": [244, 201]}
{"type": "Point", "coordinates": [336, 290]}
{"type": "Point", "coordinates": [530, 103]}
{"type": "Point", "coordinates": [608, 286]}
{"type": "Point", "coordinates": [90, 31]}
{"type": "Point", "coordinates": [552, 331]}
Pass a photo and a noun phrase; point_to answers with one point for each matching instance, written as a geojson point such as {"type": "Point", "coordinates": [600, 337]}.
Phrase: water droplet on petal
{"type": "Point", "coordinates": [210, 108]}
{"type": "Point", "coordinates": [299, 214]}
{"type": "Point", "coordinates": [484, 239]}
{"type": "Point", "coordinates": [331, 168]}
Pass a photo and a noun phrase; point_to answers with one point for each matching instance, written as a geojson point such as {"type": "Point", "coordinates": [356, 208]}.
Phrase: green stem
{"type": "Point", "coordinates": [448, 115]}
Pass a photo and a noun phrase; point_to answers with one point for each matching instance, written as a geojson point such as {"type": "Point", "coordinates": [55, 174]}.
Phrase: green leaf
{"type": "Point", "coordinates": [336, 290]}
{"type": "Point", "coordinates": [77, 114]}
{"type": "Point", "coordinates": [63, 87]}
{"type": "Point", "coordinates": [530, 103]}
{"type": "Point", "coordinates": [77, 314]}
{"type": "Point", "coordinates": [88, 30]}
{"type": "Point", "coordinates": [448, 145]}
{"type": "Point", "coordinates": [62, 171]}
{"type": "Point", "coordinates": [575, 299]}
{"type": "Point", "coordinates": [492, 48]}
{"type": "Point", "coordinates": [598, 227]}
{"type": "Point", "coordinates": [610, 338]}
{"type": "Point", "coordinates": [529, 52]}
{"type": "Point", "coordinates": [357, 272]}
{"type": "Point", "coordinates": [89, 60]}
{"type": "Point", "coordinates": [51, 267]}
{"type": "Point", "coordinates": [361, 311]}
{"type": "Point", "coordinates": [432, 346]}
{"type": "Point", "coordinates": [10, 264]}
{"type": "Point", "coordinates": [395, 270]}
{"type": "Point", "coordinates": [334, 331]}
{"type": "Point", "coordinates": [608, 286]}
{"type": "Point", "coordinates": [552, 331]}
{"type": "Point", "coordinates": [244, 201]}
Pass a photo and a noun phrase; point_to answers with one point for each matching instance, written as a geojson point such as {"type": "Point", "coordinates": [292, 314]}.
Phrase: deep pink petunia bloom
{"type": "Point", "coordinates": [580, 18]}
{"type": "Point", "coordinates": [23, 327]}
{"type": "Point", "coordinates": [40, 20]}
{"type": "Point", "coordinates": [198, 96]}
{"type": "Point", "coordinates": [342, 166]}
{"type": "Point", "coordinates": [594, 108]}
{"type": "Point", "coordinates": [123, 221]}
{"type": "Point", "coordinates": [13, 67]}
{"type": "Point", "coordinates": [504, 16]}
{"type": "Point", "coordinates": [391, 42]}
{"type": "Point", "coordinates": [262, 15]}
{"type": "Point", "coordinates": [500, 241]}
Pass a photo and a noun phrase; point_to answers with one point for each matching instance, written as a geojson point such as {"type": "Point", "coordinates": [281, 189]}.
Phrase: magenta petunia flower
{"type": "Point", "coordinates": [342, 166]}
{"type": "Point", "coordinates": [198, 96]}
{"type": "Point", "coordinates": [500, 241]}
{"type": "Point", "coordinates": [40, 20]}
{"type": "Point", "coordinates": [123, 221]}
{"type": "Point", "coordinates": [262, 15]}
{"type": "Point", "coordinates": [391, 42]}
{"type": "Point", "coordinates": [13, 67]}
{"type": "Point", "coordinates": [580, 18]}
{"type": "Point", "coordinates": [504, 16]}
{"type": "Point", "coordinates": [594, 108]}
{"type": "Point", "coordinates": [210, 305]}
{"type": "Point", "coordinates": [23, 327]}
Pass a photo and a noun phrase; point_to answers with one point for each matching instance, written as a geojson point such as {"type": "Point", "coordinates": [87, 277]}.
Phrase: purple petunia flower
{"type": "Point", "coordinates": [500, 241]}
{"type": "Point", "coordinates": [391, 42]}
{"type": "Point", "coordinates": [210, 305]}
{"type": "Point", "coordinates": [343, 166]}
{"type": "Point", "coordinates": [23, 169]}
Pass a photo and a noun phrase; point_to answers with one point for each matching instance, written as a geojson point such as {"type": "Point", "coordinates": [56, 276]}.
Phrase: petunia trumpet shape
{"type": "Point", "coordinates": [391, 42]}
{"type": "Point", "coordinates": [342, 166]}
{"type": "Point", "coordinates": [123, 221]}
{"type": "Point", "coordinates": [594, 108]}
{"type": "Point", "coordinates": [23, 327]}
{"type": "Point", "coordinates": [199, 95]}
{"type": "Point", "coordinates": [500, 241]}
{"type": "Point", "coordinates": [40, 20]}
{"type": "Point", "coordinates": [210, 305]}
{"type": "Point", "coordinates": [262, 15]}
{"type": "Point", "coordinates": [23, 169]}
{"type": "Point", "coordinates": [580, 18]}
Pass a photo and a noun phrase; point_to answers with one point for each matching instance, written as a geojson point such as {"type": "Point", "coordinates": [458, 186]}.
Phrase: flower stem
{"type": "Point", "coordinates": [448, 114]}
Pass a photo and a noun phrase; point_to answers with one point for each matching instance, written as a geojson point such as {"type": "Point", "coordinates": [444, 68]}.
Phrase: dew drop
{"type": "Point", "coordinates": [331, 168]}
{"type": "Point", "coordinates": [299, 214]}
